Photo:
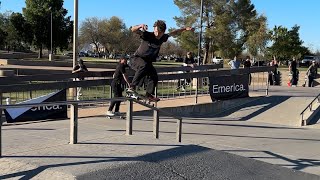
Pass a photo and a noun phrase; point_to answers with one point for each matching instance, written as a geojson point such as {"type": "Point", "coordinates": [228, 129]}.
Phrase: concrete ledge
{"type": "Point", "coordinates": [200, 110]}
{"type": "Point", "coordinates": [7, 73]}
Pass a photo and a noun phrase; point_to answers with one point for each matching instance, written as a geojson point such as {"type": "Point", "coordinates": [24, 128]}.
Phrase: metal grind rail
{"type": "Point", "coordinates": [309, 106]}
{"type": "Point", "coordinates": [74, 116]}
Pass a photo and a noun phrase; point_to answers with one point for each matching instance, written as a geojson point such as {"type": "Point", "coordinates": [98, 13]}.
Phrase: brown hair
{"type": "Point", "coordinates": [161, 25]}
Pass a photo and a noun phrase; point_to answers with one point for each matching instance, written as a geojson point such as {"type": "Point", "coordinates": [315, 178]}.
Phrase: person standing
{"type": "Point", "coordinates": [119, 77]}
{"type": "Point", "coordinates": [294, 72]}
{"type": "Point", "coordinates": [247, 65]}
{"type": "Point", "coordinates": [312, 73]}
{"type": "Point", "coordinates": [147, 53]}
{"type": "Point", "coordinates": [80, 67]}
{"type": "Point", "coordinates": [187, 61]}
{"type": "Point", "coordinates": [235, 63]}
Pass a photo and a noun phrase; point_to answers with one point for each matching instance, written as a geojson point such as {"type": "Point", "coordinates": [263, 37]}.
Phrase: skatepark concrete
{"type": "Point", "coordinates": [244, 141]}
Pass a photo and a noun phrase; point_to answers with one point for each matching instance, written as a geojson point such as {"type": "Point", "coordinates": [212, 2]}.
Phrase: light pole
{"type": "Point", "coordinates": [199, 49]}
{"type": "Point", "coordinates": [51, 49]}
{"type": "Point", "coordinates": [75, 33]}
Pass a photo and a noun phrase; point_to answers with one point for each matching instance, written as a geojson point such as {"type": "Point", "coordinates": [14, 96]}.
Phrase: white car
{"type": "Point", "coordinates": [217, 60]}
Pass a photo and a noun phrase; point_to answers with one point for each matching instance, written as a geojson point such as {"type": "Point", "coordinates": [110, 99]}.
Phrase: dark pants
{"type": "Point", "coordinates": [117, 92]}
{"type": "Point", "coordinates": [143, 70]}
{"type": "Point", "coordinates": [294, 80]}
{"type": "Point", "coordinates": [250, 77]}
{"type": "Point", "coordinates": [310, 81]}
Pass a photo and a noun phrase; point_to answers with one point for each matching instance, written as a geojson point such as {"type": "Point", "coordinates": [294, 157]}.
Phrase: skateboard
{"type": "Point", "coordinates": [121, 116]}
{"type": "Point", "coordinates": [139, 97]}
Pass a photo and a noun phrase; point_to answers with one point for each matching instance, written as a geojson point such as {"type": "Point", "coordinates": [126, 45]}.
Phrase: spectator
{"type": "Point", "coordinates": [188, 61]}
{"type": "Point", "coordinates": [294, 72]}
{"type": "Point", "coordinates": [235, 63]}
{"type": "Point", "coordinates": [81, 67]}
{"type": "Point", "coordinates": [274, 78]}
{"type": "Point", "coordinates": [312, 73]}
{"type": "Point", "coordinates": [119, 77]}
{"type": "Point", "coordinates": [247, 65]}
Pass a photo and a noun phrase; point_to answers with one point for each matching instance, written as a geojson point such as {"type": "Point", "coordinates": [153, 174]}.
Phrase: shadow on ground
{"type": "Point", "coordinates": [182, 162]}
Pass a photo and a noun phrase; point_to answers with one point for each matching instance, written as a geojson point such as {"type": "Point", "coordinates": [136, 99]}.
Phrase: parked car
{"type": "Point", "coordinates": [69, 54]}
{"type": "Point", "coordinates": [217, 60]}
{"type": "Point", "coordinates": [178, 59]}
{"type": "Point", "coordinates": [83, 54]}
{"type": "Point", "coordinates": [306, 61]}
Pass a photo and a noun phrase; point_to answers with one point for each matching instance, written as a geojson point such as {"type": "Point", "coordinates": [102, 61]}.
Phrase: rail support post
{"type": "Point", "coordinates": [156, 124]}
{"type": "Point", "coordinates": [179, 130]}
{"type": "Point", "coordinates": [0, 126]}
{"type": "Point", "coordinates": [129, 117]}
{"type": "Point", "coordinates": [267, 85]}
{"type": "Point", "coordinates": [74, 123]}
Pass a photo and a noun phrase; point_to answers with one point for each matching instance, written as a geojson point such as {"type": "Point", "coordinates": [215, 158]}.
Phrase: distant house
{"type": "Point", "coordinates": [92, 48]}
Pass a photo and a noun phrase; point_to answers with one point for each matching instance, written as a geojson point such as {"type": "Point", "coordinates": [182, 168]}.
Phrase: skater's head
{"type": "Point", "coordinates": [123, 59]}
{"type": "Point", "coordinates": [159, 28]}
{"type": "Point", "coordinates": [189, 54]}
{"type": "Point", "coordinates": [80, 61]}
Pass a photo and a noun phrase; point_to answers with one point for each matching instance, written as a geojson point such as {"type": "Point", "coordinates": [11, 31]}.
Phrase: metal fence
{"type": "Point", "coordinates": [177, 82]}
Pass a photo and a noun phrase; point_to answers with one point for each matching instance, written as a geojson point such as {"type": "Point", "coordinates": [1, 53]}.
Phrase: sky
{"type": "Point", "coordinates": [286, 13]}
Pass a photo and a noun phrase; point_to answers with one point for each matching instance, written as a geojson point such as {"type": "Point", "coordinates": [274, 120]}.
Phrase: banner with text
{"type": "Point", "coordinates": [229, 87]}
{"type": "Point", "coordinates": [39, 112]}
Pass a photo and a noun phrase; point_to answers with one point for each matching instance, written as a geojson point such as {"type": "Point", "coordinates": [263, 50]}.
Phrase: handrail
{"type": "Point", "coordinates": [74, 116]}
{"type": "Point", "coordinates": [155, 108]}
{"type": "Point", "coordinates": [11, 86]}
{"type": "Point", "coordinates": [303, 123]}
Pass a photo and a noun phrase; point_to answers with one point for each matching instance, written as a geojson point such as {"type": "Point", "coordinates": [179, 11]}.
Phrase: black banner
{"type": "Point", "coordinates": [229, 87]}
{"type": "Point", "coordinates": [39, 112]}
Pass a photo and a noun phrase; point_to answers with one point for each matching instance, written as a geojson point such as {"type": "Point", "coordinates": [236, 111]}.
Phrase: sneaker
{"type": "Point", "coordinates": [133, 95]}
{"type": "Point", "coordinates": [110, 113]}
{"type": "Point", "coordinates": [152, 98]}
{"type": "Point", "coordinates": [117, 113]}
{"type": "Point", "coordinates": [130, 89]}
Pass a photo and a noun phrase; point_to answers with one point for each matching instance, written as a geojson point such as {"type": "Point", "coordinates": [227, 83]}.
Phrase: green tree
{"type": "Point", "coordinates": [228, 25]}
{"type": "Point", "coordinates": [38, 15]}
{"type": "Point", "coordinates": [287, 43]}
{"type": "Point", "coordinates": [91, 31]}
{"type": "Point", "coordinates": [4, 20]}
{"type": "Point", "coordinates": [111, 33]}
{"type": "Point", "coordinates": [114, 35]}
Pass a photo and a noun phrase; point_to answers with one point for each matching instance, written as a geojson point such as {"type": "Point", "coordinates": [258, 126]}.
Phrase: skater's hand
{"type": "Point", "coordinates": [189, 29]}
{"type": "Point", "coordinates": [144, 27]}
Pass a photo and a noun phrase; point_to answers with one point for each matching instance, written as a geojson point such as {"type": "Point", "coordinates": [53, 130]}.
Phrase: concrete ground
{"type": "Point", "coordinates": [240, 142]}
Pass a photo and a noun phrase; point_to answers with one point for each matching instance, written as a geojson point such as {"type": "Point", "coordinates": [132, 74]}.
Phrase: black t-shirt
{"type": "Point", "coordinates": [247, 64]}
{"type": "Point", "coordinates": [150, 45]}
{"type": "Point", "coordinates": [118, 74]}
{"type": "Point", "coordinates": [293, 66]}
{"type": "Point", "coordinates": [188, 60]}
{"type": "Point", "coordinates": [83, 68]}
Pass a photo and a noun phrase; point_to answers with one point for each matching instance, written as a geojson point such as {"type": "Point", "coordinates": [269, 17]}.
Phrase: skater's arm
{"type": "Point", "coordinates": [125, 77]}
{"type": "Point", "coordinates": [179, 31]}
{"type": "Point", "coordinates": [138, 27]}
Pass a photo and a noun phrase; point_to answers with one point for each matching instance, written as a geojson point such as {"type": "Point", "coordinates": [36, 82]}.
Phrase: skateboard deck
{"type": "Point", "coordinates": [140, 97]}
{"type": "Point", "coordinates": [122, 116]}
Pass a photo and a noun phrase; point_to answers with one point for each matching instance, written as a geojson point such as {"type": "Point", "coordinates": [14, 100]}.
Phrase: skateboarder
{"type": "Point", "coordinates": [147, 53]}
{"type": "Point", "coordinates": [81, 67]}
{"type": "Point", "coordinates": [311, 73]}
{"type": "Point", "coordinates": [119, 77]}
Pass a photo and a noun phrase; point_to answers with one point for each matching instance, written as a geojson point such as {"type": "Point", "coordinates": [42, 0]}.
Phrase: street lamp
{"type": "Point", "coordinates": [51, 49]}
{"type": "Point", "coordinates": [200, 33]}
{"type": "Point", "coordinates": [199, 49]}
